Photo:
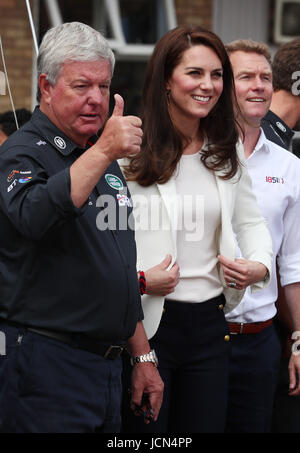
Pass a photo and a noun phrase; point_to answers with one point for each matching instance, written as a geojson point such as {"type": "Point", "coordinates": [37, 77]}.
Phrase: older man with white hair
{"type": "Point", "coordinates": [70, 300]}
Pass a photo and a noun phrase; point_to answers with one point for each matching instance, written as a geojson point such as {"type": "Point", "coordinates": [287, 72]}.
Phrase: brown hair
{"type": "Point", "coordinates": [247, 45]}
{"type": "Point", "coordinates": [162, 145]}
{"type": "Point", "coordinates": [285, 63]}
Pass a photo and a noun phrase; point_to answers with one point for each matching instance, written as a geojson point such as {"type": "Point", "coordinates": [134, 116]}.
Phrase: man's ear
{"type": "Point", "coordinates": [45, 88]}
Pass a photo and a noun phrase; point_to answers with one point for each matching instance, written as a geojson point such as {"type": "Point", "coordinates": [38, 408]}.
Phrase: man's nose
{"type": "Point", "coordinates": [258, 84]}
{"type": "Point", "coordinates": [95, 95]}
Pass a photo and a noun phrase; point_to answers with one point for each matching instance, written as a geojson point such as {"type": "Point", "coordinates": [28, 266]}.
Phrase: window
{"type": "Point", "coordinates": [132, 27]}
{"type": "Point", "coordinates": [287, 20]}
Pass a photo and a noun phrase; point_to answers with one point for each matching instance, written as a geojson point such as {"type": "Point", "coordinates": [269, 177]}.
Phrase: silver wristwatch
{"type": "Point", "coordinates": [149, 357]}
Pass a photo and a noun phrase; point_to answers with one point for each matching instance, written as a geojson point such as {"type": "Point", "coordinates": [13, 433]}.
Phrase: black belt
{"type": "Point", "coordinates": [80, 341]}
{"type": "Point", "coordinates": [108, 351]}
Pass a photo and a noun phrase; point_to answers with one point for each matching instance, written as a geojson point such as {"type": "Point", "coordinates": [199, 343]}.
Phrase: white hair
{"type": "Point", "coordinates": [71, 41]}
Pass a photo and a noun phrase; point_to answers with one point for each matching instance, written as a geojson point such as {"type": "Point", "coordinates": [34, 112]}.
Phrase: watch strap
{"type": "Point", "coordinates": [148, 357]}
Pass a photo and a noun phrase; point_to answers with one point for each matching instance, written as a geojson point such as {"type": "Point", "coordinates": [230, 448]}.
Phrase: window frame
{"type": "Point", "coordinates": [112, 12]}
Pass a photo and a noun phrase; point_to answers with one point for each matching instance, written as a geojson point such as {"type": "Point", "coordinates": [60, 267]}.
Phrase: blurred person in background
{"type": "Point", "coordinates": [8, 122]}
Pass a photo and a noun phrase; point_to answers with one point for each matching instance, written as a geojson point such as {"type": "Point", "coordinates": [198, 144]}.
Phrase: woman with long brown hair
{"type": "Point", "coordinates": [191, 195]}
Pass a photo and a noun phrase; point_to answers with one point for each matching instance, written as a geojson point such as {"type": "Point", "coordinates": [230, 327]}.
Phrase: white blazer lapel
{"type": "Point", "coordinates": [169, 198]}
{"type": "Point", "coordinates": [227, 245]}
{"type": "Point", "coordinates": [226, 240]}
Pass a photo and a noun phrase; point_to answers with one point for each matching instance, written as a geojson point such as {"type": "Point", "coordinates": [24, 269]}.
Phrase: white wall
{"type": "Point", "coordinates": [241, 19]}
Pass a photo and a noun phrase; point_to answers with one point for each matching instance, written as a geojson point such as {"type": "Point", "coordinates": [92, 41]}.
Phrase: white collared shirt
{"type": "Point", "coordinates": [275, 174]}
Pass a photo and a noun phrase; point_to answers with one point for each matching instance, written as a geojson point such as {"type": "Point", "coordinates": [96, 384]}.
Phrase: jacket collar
{"type": "Point", "coordinates": [52, 134]}
{"type": "Point", "coordinates": [279, 125]}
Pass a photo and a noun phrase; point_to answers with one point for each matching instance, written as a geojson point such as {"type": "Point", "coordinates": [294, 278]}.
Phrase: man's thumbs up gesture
{"type": "Point", "coordinates": [122, 135]}
{"type": "Point", "coordinates": [119, 106]}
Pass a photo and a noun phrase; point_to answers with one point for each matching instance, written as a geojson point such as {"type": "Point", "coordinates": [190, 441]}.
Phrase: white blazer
{"type": "Point", "coordinates": [240, 215]}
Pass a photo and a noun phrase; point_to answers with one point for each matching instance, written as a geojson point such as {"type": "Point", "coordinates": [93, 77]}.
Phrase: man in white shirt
{"type": "Point", "coordinates": [275, 173]}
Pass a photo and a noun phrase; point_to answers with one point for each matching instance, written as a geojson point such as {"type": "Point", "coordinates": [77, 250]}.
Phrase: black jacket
{"type": "Point", "coordinates": [64, 268]}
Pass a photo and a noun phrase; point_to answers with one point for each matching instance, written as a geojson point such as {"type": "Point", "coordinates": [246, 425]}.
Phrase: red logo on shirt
{"type": "Point", "coordinates": [274, 180]}
{"type": "Point", "coordinates": [12, 175]}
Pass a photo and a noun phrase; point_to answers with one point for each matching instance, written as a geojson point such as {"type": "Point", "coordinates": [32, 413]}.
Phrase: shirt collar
{"type": "Point", "coordinates": [262, 144]}
{"type": "Point", "coordinates": [52, 134]}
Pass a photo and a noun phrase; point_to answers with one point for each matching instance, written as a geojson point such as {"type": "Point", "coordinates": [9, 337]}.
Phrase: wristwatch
{"type": "Point", "coordinates": [149, 357]}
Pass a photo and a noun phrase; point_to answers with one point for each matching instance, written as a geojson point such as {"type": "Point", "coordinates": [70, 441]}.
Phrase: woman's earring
{"type": "Point", "coordinates": [168, 93]}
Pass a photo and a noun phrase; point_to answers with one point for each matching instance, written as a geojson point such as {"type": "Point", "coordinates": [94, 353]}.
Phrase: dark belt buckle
{"type": "Point", "coordinates": [113, 352]}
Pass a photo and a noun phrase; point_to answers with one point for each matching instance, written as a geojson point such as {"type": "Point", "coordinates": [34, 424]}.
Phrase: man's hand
{"type": "Point", "coordinates": [241, 273]}
{"type": "Point", "coordinates": [160, 281]}
{"type": "Point", "coordinates": [122, 135]}
{"type": "Point", "coordinates": [292, 295]}
{"type": "Point", "coordinates": [145, 377]}
{"type": "Point", "coordinates": [146, 380]}
{"type": "Point", "coordinates": [294, 374]}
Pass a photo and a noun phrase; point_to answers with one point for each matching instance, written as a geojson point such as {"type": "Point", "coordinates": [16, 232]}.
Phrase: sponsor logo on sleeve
{"type": "Point", "coordinates": [12, 174]}
{"type": "Point", "coordinates": [24, 180]}
{"type": "Point", "coordinates": [123, 200]}
{"type": "Point", "coordinates": [114, 182]}
{"type": "Point", "coordinates": [18, 176]}
{"type": "Point", "coordinates": [12, 185]}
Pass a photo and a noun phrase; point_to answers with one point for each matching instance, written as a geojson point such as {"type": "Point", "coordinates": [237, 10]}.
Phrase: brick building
{"type": "Point", "coordinates": [18, 45]}
{"type": "Point", "coordinates": [230, 19]}
{"type": "Point", "coordinates": [18, 51]}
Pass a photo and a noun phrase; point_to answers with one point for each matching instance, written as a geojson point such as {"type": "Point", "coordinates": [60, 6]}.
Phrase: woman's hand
{"type": "Point", "coordinates": [159, 280]}
{"type": "Point", "coordinates": [241, 273]}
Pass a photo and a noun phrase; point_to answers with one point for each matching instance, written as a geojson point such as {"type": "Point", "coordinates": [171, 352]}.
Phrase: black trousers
{"type": "Point", "coordinates": [254, 366]}
{"type": "Point", "coordinates": [47, 386]}
{"type": "Point", "coordinates": [286, 413]}
{"type": "Point", "coordinates": [193, 363]}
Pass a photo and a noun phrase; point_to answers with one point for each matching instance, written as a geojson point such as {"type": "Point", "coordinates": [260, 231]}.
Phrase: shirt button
{"type": "Point", "coordinates": [220, 307]}
{"type": "Point", "coordinates": [227, 337]}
